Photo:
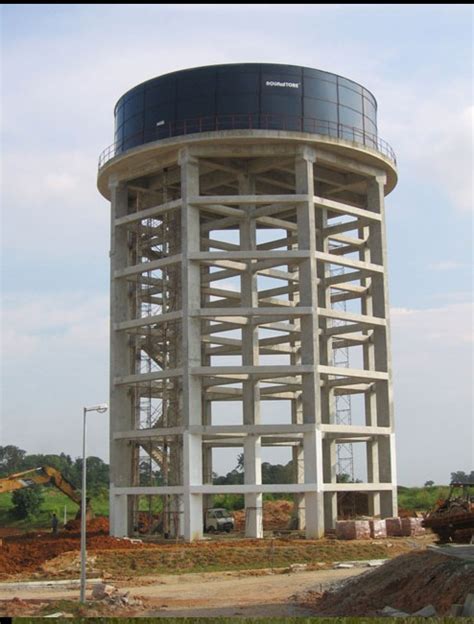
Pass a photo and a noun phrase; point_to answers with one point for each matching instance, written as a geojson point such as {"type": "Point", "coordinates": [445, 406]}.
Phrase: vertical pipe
{"type": "Point", "coordinates": [83, 511]}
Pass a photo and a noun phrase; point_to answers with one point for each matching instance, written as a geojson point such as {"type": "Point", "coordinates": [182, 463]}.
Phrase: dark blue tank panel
{"type": "Point", "coordinates": [242, 96]}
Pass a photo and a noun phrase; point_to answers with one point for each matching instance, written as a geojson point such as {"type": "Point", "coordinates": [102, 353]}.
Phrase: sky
{"type": "Point", "coordinates": [63, 69]}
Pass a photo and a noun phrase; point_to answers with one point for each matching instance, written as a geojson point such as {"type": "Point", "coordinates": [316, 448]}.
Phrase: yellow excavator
{"type": "Point", "coordinates": [44, 475]}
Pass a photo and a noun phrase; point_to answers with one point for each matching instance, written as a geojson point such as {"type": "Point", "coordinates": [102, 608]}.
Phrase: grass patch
{"type": "Point", "coordinates": [421, 498]}
{"type": "Point", "coordinates": [208, 558]}
{"type": "Point", "coordinates": [54, 502]}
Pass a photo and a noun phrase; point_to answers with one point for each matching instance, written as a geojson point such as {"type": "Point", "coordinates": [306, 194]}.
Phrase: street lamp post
{"type": "Point", "coordinates": [101, 409]}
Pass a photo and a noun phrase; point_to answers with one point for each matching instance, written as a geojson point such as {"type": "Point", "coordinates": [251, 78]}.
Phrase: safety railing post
{"type": "Point", "coordinates": [265, 121]}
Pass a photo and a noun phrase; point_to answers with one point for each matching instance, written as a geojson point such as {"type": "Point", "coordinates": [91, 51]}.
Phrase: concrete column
{"type": "Point", "coordinates": [298, 519]}
{"type": "Point", "coordinates": [119, 505]}
{"type": "Point", "coordinates": [193, 521]}
{"type": "Point", "coordinates": [313, 472]}
{"type": "Point", "coordinates": [373, 475]}
{"type": "Point", "coordinates": [308, 288]}
{"type": "Point", "coordinates": [310, 349]}
{"type": "Point", "coordinates": [121, 412]}
{"type": "Point", "coordinates": [207, 499]}
{"type": "Point", "coordinates": [328, 400]}
{"type": "Point", "coordinates": [297, 453]}
{"type": "Point", "coordinates": [388, 474]}
{"type": "Point", "coordinates": [249, 294]}
{"type": "Point", "coordinates": [380, 303]}
{"type": "Point", "coordinates": [330, 476]}
{"type": "Point", "coordinates": [191, 345]}
{"type": "Point", "coordinates": [176, 523]}
{"type": "Point", "coordinates": [382, 348]}
{"type": "Point", "coordinates": [253, 476]}
{"type": "Point", "coordinates": [250, 353]}
{"type": "Point", "coordinates": [370, 399]}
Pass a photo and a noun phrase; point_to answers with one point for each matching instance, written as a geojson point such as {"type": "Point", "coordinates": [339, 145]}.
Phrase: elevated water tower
{"type": "Point", "coordinates": [235, 192]}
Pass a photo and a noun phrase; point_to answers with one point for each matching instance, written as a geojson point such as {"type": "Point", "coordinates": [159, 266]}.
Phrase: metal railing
{"type": "Point", "coordinates": [249, 122]}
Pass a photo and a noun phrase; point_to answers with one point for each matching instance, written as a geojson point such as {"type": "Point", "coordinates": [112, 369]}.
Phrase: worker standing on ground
{"type": "Point", "coordinates": [54, 524]}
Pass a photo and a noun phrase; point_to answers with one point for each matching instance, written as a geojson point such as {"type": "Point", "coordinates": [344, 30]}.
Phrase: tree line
{"type": "Point", "coordinates": [14, 459]}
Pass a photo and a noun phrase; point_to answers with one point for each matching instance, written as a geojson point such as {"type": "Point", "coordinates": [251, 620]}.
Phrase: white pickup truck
{"type": "Point", "coordinates": [218, 519]}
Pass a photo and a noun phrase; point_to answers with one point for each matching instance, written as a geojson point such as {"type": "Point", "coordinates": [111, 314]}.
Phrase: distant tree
{"type": "Point", "coordinates": [149, 475]}
{"type": "Point", "coordinates": [11, 459]}
{"type": "Point", "coordinates": [461, 477]}
{"type": "Point", "coordinates": [231, 478]}
{"type": "Point", "coordinates": [277, 473]}
{"type": "Point", "coordinates": [429, 483]}
{"type": "Point", "coordinates": [240, 462]}
{"type": "Point", "coordinates": [343, 477]}
{"type": "Point", "coordinates": [27, 502]}
{"type": "Point", "coordinates": [97, 474]}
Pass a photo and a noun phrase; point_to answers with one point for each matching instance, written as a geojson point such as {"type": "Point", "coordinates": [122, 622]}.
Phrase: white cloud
{"type": "Point", "coordinates": [54, 360]}
{"type": "Point", "coordinates": [446, 265]}
{"type": "Point", "coordinates": [450, 324]}
{"type": "Point", "coordinates": [51, 204]}
{"type": "Point", "coordinates": [433, 372]}
{"type": "Point", "coordinates": [64, 322]}
{"type": "Point", "coordinates": [432, 135]}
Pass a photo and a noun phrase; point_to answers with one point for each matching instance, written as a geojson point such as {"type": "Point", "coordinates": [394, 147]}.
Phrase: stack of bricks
{"type": "Point", "coordinates": [394, 527]}
{"type": "Point", "coordinates": [411, 527]}
{"type": "Point", "coordinates": [378, 529]}
{"type": "Point", "coordinates": [353, 529]}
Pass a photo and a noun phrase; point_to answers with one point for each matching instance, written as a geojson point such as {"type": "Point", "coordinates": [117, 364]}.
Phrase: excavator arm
{"type": "Point", "coordinates": [23, 479]}
{"type": "Point", "coordinates": [42, 476]}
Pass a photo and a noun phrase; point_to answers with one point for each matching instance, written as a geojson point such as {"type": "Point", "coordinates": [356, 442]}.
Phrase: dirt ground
{"type": "Point", "coordinates": [38, 555]}
{"type": "Point", "coordinates": [220, 576]}
{"type": "Point", "coordinates": [211, 594]}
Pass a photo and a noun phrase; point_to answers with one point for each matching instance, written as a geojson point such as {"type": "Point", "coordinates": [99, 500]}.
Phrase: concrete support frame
{"type": "Point", "coordinates": [121, 363]}
{"type": "Point", "coordinates": [250, 352]}
{"type": "Point", "coordinates": [235, 242]}
{"type": "Point", "coordinates": [192, 385]}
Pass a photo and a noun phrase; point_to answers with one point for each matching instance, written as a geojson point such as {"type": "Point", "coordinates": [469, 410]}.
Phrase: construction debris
{"type": "Point", "coordinates": [407, 584]}
{"type": "Point", "coordinates": [468, 609]}
{"type": "Point", "coordinates": [112, 596]}
{"type": "Point", "coordinates": [394, 527]}
{"type": "Point", "coordinates": [298, 567]}
{"type": "Point", "coordinates": [378, 529]}
{"type": "Point", "coordinates": [391, 612]}
{"type": "Point", "coordinates": [428, 611]}
{"type": "Point", "coordinates": [412, 527]}
{"type": "Point", "coordinates": [102, 590]}
{"type": "Point", "coordinates": [353, 529]}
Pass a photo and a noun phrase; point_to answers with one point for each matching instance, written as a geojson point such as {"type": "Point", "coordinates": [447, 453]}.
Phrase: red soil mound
{"type": "Point", "coordinates": [26, 553]}
{"type": "Point", "coordinates": [95, 525]}
{"type": "Point", "coordinates": [409, 583]}
{"type": "Point", "coordinates": [276, 515]}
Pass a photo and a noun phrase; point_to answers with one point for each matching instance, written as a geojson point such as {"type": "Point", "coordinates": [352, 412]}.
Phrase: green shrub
{"type": "Point", "coordinates": [27, 502]}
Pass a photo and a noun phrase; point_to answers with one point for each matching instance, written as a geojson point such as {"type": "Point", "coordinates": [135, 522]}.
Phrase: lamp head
{"type": "Point", "coordinates": [101, 408]}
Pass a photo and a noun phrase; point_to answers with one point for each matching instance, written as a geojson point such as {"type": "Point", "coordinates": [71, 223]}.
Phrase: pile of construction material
{"type": "Point", "coordinates": [456, 610]}
{"type": "Point", "coordinates": [379, 529]}
{"type": "Point", "coordinates": [113, 597]}
{"type": "Point", "coordinates": [418, 583]}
